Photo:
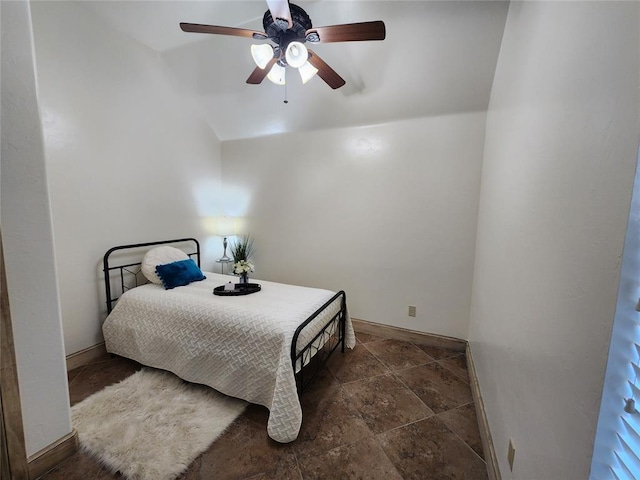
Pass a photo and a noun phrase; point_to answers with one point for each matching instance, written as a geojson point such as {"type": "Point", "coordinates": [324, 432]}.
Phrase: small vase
{"type": "Point", "coordinates": [244, 277]}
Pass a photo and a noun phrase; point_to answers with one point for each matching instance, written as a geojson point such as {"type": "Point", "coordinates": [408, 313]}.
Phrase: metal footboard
{"type": "Point", "coordinates": [335, 329]}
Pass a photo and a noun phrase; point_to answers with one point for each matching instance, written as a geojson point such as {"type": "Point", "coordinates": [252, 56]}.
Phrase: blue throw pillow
{"type": "Point", "coordinates": [180, 273]}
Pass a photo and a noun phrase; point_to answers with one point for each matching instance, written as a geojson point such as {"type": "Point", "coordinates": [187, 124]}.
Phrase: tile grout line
{"type": "Point", "coordinates": [466, 445]}
{"type": "Point", "coordinates": [414, 393]}
{"type": "Point", "coordinates": [423, 402]}
{"type": "Point", "coordinates": [75, 377]}
{"type": "Point", "coordinates": [460, 438]}
{"type": "Point", "coordinates": [407, 424]}
{"type": "Point", "coordinates": [376, 357]}
{"type": "Point", "coordinates": [375, 438]}
{"type": "Point", "coordinates": [465, 380]}
{"type": "Point", "coordinates": [340, 386]}
{"type": "Point", "coordinates": [295, 456]}
{"type": "Point", "coordinates": [391, 372]}
{"type": "Point", "coordinates": [374, 435]}
{"type": "Point", "coordinates": [365, 378]}
{"type": "Point", "coordinates": [455, 353]}
{"type": "Point", "coordinates": [402, 368]}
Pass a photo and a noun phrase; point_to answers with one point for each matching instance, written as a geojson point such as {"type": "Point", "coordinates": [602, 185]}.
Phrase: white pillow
{"type": "Point", "coordinates": [160, 256]}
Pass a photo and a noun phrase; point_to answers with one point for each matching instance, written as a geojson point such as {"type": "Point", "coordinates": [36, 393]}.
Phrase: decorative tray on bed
{"type": "Point", "coordinates": [239, 289]}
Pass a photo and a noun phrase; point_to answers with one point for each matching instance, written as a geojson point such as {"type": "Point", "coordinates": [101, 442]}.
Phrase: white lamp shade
{"type": "Point", "coordinates": [262, 54]}
{"type": "Point", "coordinates": [296, 54]}
{"type": "Point", "coordinates": [307, 71]}
{"type": "Point", "coordinates": [276, 75]}
{"type": "Point", "coordinates": [225, 226]}
{"type": "Point", "coordinates": [240, 226]}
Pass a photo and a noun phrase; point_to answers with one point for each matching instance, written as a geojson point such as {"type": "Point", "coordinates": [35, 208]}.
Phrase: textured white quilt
{"type": "Point", "coordinates": [239, 345]}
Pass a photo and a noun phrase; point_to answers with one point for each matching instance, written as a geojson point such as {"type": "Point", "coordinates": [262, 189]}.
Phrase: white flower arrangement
{"type": "Point", "coordinates": [242, 266]}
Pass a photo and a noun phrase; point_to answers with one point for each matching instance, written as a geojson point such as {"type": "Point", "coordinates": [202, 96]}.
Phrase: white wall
{"type": "Point", "coordinates": [127, 160]}
{"type": "Point", "coordinates": [558, 170]}
{"type": "Point", "coordinates": [28, 241]}
{"type": "Point", "coordinates": [388, 213]}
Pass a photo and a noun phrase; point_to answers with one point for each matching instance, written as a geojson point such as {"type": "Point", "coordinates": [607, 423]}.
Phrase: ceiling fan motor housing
{"type": "Point", "coordinates": [278, 30]}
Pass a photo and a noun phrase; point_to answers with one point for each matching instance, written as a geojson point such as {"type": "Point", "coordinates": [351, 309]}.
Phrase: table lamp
{"type": "Point", "coordinates": [225, 227]}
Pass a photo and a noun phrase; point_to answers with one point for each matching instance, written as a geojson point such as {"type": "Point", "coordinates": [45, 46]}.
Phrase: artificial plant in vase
{"type": "Point", "coordinates": [241, 250]}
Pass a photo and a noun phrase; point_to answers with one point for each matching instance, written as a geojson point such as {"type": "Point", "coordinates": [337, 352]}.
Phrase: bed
{"type": "Point", "coordinates": [263, 347]}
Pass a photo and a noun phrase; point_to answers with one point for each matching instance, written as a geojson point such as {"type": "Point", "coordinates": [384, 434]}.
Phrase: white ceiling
{"type": "Point", "coordinates": [438, 58]}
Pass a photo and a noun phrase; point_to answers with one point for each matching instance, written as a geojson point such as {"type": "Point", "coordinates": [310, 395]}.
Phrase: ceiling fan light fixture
{"type": "Point", "coordinates": [288, 27]}
{"type": "Point", "coordinates": [307, 72]}
{"type": "Point", "coordinates": [262, 54]}
{"type": "Point", "coordinates": [296, 54]}
{"type": "Point", "coordinates": [276, 75]}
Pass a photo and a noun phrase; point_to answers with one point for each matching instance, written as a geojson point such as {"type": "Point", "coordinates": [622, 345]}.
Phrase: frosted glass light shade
{"type": "Point", "coordinates": [276, 75]}
{"type": "Point", "coordinates": [262, 54]}
{"type": "Point", "coordinates": [296, 54]}
{"type": "Point", "coordinates": [307, 71]}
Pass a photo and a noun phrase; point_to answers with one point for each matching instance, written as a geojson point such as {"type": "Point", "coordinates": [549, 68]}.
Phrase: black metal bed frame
{"type": "Point", "coordinates": [334, 329]}
{"type": "Point", "coordinates": [128, 268]}
{"type": "Point", "coordinates": [310, 358]}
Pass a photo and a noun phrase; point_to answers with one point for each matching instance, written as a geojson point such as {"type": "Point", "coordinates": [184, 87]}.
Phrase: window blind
{"type": "Point", "coordinates": [616, 453]}
{"type": "Point", "coordinates": [627, 451]}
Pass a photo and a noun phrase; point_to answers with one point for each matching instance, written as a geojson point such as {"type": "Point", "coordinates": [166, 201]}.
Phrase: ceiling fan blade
{"type": "Point", "coordinates": [280, 9]}
{"type": "Point", "coordinates": [259, 74]}
{"type": "Point", "coordinates": [237, 32]}
{"type": "Point", "coordinates": [325, 72]}
{"type": "Point", "coordinates": [350, 32]}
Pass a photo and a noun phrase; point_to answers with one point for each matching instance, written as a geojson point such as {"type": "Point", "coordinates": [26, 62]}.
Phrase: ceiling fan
{"type": "Point", "coordinates": [289, 27]}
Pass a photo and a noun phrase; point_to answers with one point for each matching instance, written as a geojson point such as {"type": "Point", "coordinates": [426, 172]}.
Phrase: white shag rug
{"type": "Point", "coordinates": [152, 425]}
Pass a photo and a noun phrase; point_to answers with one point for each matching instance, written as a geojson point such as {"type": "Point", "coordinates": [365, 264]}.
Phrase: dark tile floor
{"type": "Point", "coordinates": [386, 410]}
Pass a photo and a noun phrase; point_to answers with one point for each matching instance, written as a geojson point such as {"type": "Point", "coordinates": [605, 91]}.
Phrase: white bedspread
{"type": "Point", "coordinates": [239, 345]}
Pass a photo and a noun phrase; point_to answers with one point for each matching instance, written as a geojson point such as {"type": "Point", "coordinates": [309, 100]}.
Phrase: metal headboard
{"type": "Point", "coordinates": [130, 268]}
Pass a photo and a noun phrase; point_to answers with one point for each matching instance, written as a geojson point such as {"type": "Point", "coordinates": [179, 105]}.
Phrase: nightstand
{"type": "Point", "coordinates": [223, 262]}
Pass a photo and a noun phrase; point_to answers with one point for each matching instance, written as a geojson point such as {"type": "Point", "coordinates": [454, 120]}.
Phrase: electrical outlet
{"type": "Point", "coordinates": [412, 310]}
{"type": "Point", "coordinates": [511, 454]}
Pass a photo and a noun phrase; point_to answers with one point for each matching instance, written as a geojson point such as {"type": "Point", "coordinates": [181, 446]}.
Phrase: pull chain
{"type": "Point", "coordinates": [285, 94]}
